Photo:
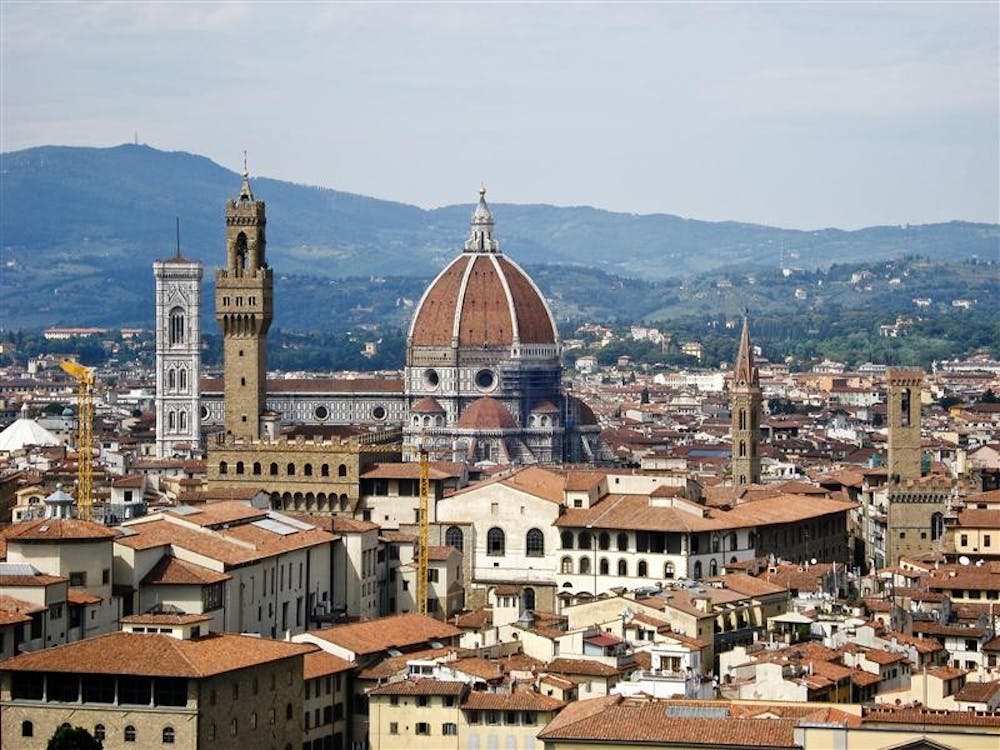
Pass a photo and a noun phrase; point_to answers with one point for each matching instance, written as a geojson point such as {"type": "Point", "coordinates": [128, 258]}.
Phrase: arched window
{"type": "Point", "coordinates": [256, 468]}
{"type": "Point", "coordinates": [566, 565]}
{"type": "Point", "coordinates": [752, 540]}
{"type": "Point", "coordinates": [713, 567]}
{"type": "Point", "coordinates": [567, 539]}
{"type": "Point", "coordinates": [496, 542]}
{"type": "Point", "coordinates": [307, 470]}
{"type": "Point", "coordinates": [171, 421]}
{"type": "Point", "coordinates": [697, 569]}
{"type": "Point", "coordinates": [324, 470]}
{"type": "Point", "coordinates": [715, 543]}
{"type": "Point", "coordinates": [583, 540]}
{"type": "Point", "coordinates": [176, 326]}
{"type": "Point", "coordinates": [604, 540]}
{"type": "Point", "coordinates": [534, 543]}
{"type": "Point", "coordinates": [743, 448]}
{"type": "Point", "coordinates": [454, 537]}
{"type": "Point", "coordinates": [182, 379]}
{"type": "Point", "coordinates": [171, 379]}
{"type": "Point", "coordinates": [27, 729]}
{"type": "Point", "coordinates": [273, 469]}
{"type": "Point", "coordinates": [130, 733]}
{"type": "Point", "coordinates": [623, 542]}
{"type": "Point", "coordinates": [239, 467]}
{"type": "Point", "coordinates": [937, 525]}
{"type": "Point", "coordinates": [622, 568]}
{"type": "Point", "coordinates": [182, 420]}
{"type": "Point", "coordinates": [733, 542]}
{"type": "Point", "coordinates": [602, 566]}
{"type": "Point", "coordinates": [584, 566]}
{"type": "Point", "coordinates": [342, 470]}
{"type": "Point", "coordinates": [642, 570]}
{"type": "Point", "coordinates": [223, 467]}
{"type": "Point", "coordinates": [168, 735]}
{"type": "Point", "coordinates": [240, 251]}
{"type": "Point", "coordinates": [528, 599]}
{"type": "Point", "coordinates": [100, 733]}
{"type": "Point", "coordinates": [668, 570]}
{"type": "Point", "coordinates": [290, 470]}
{"type": "Point", "coordinates": [743, 419]}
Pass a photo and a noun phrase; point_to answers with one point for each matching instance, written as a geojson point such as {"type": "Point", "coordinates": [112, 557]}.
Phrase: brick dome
{"type": "Point", "coordinates": [486, 414]}
{"type": "Point", "coordinates": [482, 298]}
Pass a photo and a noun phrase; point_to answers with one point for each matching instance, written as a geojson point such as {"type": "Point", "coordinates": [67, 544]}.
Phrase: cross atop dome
{"type": "Point", "coordinates": [481, 238]}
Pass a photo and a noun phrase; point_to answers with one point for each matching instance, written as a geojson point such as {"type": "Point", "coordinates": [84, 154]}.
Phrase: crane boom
{"type": "Point", "coordinates": [84, 377]}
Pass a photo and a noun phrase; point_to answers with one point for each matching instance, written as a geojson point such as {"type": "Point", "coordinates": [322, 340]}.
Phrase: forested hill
{"type": "Point", "coordinates": [80, 228]}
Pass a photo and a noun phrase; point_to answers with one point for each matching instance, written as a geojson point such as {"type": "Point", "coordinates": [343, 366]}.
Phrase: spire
{"type": "Point", "coordinates": [746, 372]}
{"type": "Point", "coordinates": [246, 194]}
{"type": "Point", "coordinates": [481, 234]}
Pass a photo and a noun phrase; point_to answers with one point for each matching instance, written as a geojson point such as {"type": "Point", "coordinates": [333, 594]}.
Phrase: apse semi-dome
{"type": "Point", "coordinates": [482, 298]}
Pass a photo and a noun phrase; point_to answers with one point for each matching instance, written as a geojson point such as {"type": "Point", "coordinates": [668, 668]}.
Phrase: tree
{"type": "Point", "coordinates": [73, 738]}
{"type": "Point", "coordinates": [989, 397]}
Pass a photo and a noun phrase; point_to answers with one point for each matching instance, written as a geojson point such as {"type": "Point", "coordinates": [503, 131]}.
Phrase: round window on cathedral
{"type": "Point", "coordinates": [485, 380]}
{"type": "Point", "coordinates": [378, 412]}
{"type": "Point", "coordinates": [431, 378]}
{"type": "Point", "coordinates": [321, 412]}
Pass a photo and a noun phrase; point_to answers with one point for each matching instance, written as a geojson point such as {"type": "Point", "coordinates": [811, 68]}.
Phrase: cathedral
{"type": "Point", "coordinates": [482, 377]}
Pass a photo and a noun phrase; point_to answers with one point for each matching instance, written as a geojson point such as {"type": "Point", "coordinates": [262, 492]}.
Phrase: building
{"type": "Point", "coordinates": [178, 354]}
{"type": "Point", "coordinates": [162, 686]}
{"type": "Point", "coordinates": [745, 402]}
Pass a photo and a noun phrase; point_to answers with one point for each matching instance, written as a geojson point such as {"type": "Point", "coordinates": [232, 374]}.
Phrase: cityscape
{"type": "Point", "coordinates": [738, 487]}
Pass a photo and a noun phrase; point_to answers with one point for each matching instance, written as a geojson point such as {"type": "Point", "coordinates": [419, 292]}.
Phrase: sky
{"type": "Point", "coordinates": [801, 115]}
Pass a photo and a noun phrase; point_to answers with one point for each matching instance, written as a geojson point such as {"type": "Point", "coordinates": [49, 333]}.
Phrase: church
{"type": "Point", "coordinates": [482, 377]}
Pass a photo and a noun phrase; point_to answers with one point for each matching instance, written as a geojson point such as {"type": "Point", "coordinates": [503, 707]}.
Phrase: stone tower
{"type": "Point", "coordinates": [744, 401]}
{"type": "Point", "coordinates": [244, 309]}
{"type": "Point", "coordinates": [904, 387]}
{"type": "Point", "coordinates": [178, 353]}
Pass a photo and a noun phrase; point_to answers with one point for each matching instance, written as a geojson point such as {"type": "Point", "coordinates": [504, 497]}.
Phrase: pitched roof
{"type": "Point", "coordinates": [395, 631]}
{"type": "Point", "coordinates": [421, 686]}
{"type": "Point", "coordinates": [319, 663]}
{"type": "Point", "coordinates": [156, 655]}
{"type": "Point", "coordinates": [57, 530]}
{"type": "Point", "coordinates": [170, 571]}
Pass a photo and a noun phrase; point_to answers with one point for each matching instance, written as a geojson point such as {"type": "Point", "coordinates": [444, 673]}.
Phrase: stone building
{"type": "Point", "coordinates": [178, 354]}
{"type": "Point", "coordinates": [745, 403]}
{"type": "Point", "coordinates": [150, 689]}
{"type": "Point", "coordinates": [482, 373]}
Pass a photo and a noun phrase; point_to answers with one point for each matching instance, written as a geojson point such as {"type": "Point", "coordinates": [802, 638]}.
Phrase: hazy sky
{"type": "Point", "coordinates": [796, 114]}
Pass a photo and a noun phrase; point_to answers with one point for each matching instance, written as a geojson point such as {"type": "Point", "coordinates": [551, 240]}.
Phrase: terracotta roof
{"type": "Point", "coordinates": [411, 470]}
{"type": "Point", "coordinates": [518, 700]}
{"type": "Point", "coordinates": [420, 687]}
{"type": "Point", "coordinates": [394, 666]}
{"type": "Point", "coordinates": [427, 405]}
{"type": "Point", "coordinates": [57, 529]}
{"type": "Point", "coordinates": [170, 571]}
{"type": "Point", "coordinates": [320, 664]}
{"type": "Point", "coordinates": [82, 598]}
{"type": "Point", "coordinates": [41, 579]}
{"type": "Point", "coordinates": [217, 514]}
{"type": "Point", "coordinates": [486, 414]}
{"type": "Point", "coordinates": [978, 692]}
{"type": "Point", "coordinates": [156, 655]}
{"type": "Point", "coordinates": [440, 553]}
{"type": "Point", "coordinates": [395, 631]}
{"type": "Point", "coordinates": [545, 407]}
{"type": "Point", "coordinates": [477, 292]}
{"type": "Point", "coordinates": [165, 619]}
{"type": "Point", "coordinates": [13, 611]}
{"type": "Point", "coordinates": [582, 667]}
{"type": "Point", "coordinates": [923, 716]}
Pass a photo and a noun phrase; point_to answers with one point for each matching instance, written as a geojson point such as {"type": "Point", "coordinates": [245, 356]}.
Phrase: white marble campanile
{"type": "Point", "coordinates": [178, 353]}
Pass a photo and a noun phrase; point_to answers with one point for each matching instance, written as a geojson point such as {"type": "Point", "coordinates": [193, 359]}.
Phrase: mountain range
{"type": "Point", "coordinates": [80, 228]}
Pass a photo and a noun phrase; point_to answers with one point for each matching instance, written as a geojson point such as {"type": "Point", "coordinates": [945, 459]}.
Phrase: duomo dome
{"type": "Point", "coordinates": [482, 299]}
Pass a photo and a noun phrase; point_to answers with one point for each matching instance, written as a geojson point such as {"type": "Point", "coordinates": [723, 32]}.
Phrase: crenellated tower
{"type": "Point", "coordinates": [745, 403]}
{"type": "Point", "coordinates": [244, 309]}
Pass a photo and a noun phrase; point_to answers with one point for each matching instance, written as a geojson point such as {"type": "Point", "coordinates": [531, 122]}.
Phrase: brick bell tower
{"type": "Point", "coordinates": [244, 309]}
{"type": "Point", "coordinates": [745, 404]}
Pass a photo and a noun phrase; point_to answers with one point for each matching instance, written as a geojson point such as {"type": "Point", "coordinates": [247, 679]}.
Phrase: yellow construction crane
{"type": "Point", "coordinates": [84, 377]}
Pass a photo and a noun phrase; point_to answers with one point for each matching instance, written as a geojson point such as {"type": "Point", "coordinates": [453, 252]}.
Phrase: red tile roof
{"type": "Point", "coordinates": [395, 631]}
{"type": "Point", "coordinates": [170, 571]}
{"type": "Point", "coordinates": [57, 530]}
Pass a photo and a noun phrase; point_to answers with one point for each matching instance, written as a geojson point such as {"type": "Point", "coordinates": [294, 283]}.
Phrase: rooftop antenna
{"type": "Point", "coordinates": [177, 219]}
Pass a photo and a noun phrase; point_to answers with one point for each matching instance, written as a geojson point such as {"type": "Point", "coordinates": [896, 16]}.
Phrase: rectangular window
{"type": "Point", "coordinates": [106, 576]}
{"type": "Point", "coordinates": [986, 540]}
{"type": "Point", "coordinates": [78, 578]}
{"type": "Point", "coordinates": [448, 728]}
{"type": "Point", "coordinates": [422, 700]}
{"type": "Point", "coordinates": [423, 727]}
{"type": "Point", "coordinates": [964, 540]}
{"type": "Point", "coordinates": [393, 727]}
{"type": "Point", "coordinates": [492, 717]}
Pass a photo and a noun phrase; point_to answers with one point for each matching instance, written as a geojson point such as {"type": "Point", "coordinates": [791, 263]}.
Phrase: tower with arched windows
{"type": "Point", "coordinates": [244, 310]}
{"type": "Point", "coordinates": [745, 400]}
{"type": "Point", "coordinates": [178, 353]}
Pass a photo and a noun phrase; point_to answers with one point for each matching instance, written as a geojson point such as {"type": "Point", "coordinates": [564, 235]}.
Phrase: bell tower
{"type": "Point", "coordinates": [745, 400]}
{"type": "Point", "coordinates": [244, 309]}
{"type": "Point", "coordinates": [904, 387]}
